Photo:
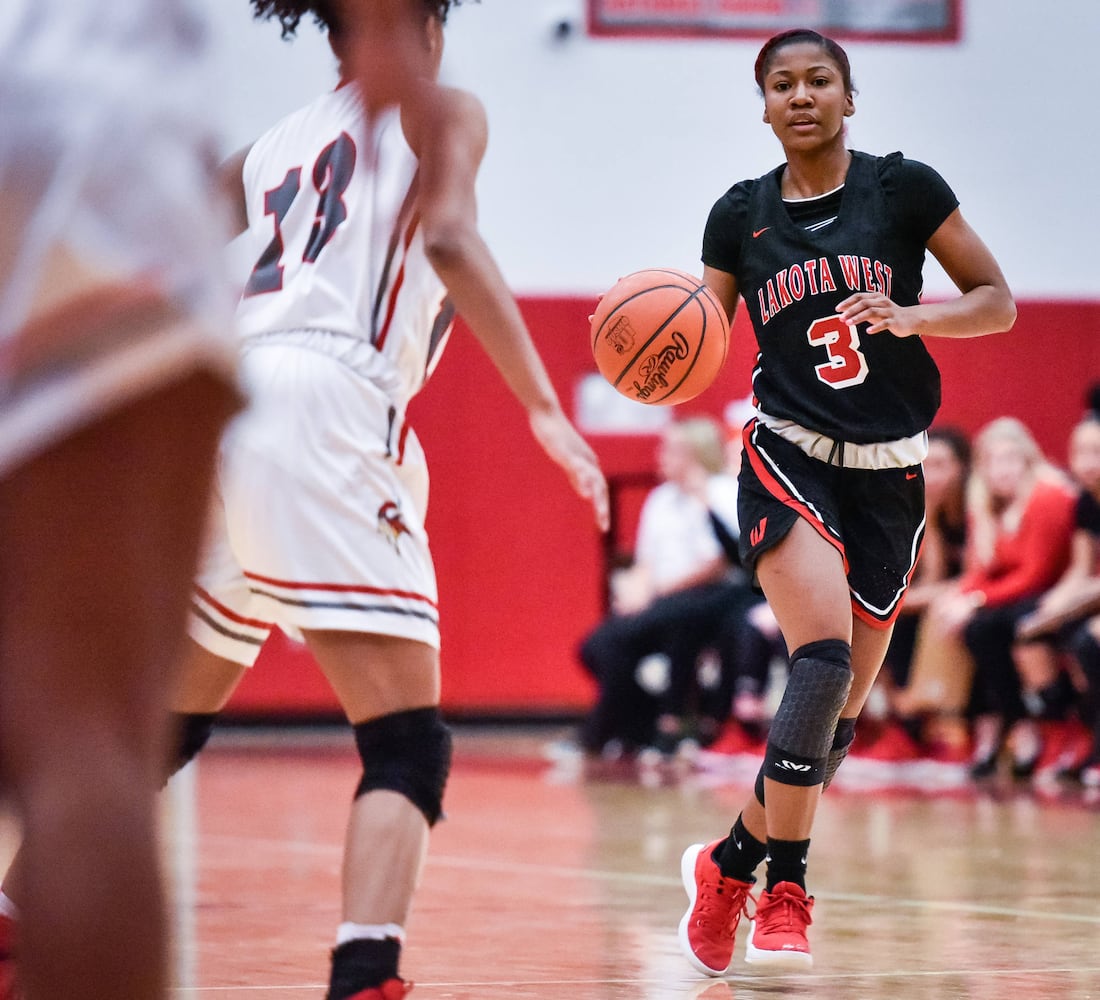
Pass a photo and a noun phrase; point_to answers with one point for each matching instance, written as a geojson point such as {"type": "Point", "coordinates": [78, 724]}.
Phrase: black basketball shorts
{"type": "Point", "coordinates": [873, 518]}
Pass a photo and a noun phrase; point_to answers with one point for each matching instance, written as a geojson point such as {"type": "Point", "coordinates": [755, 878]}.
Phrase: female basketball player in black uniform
{"type": "Point", "coordinates": [826, 251]}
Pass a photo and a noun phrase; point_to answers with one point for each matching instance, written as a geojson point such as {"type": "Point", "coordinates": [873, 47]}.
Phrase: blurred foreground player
{"type": "Point", "coordinates": [117, 374]}
{"type": "Point", "coordinates": [116, 377]}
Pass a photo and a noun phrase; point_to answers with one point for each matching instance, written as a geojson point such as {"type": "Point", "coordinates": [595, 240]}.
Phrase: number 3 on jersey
{"type": "Point", "coordinates": [847, 364]}
{"type": "Point", "coordinates": [332, 173]}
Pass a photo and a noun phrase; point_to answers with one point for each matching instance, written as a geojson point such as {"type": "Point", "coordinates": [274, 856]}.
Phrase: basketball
{"type": "Point", "coordinates": [660, 336]}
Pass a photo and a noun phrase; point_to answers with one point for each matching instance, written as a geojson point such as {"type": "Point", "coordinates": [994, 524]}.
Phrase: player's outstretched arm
{"type": "Point", "coordinates": [449, 134]}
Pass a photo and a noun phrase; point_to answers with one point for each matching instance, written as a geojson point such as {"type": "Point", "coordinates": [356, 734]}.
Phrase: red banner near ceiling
{"type": "Point", "coordinates": [901, 20]}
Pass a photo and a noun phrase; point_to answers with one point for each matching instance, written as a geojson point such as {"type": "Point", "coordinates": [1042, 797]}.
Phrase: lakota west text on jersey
{"type": "Point", "coordinates": [816, 276]}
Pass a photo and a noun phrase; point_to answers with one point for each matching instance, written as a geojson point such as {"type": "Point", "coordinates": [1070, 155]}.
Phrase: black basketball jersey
{"type": "Point", "coordinates": [812, 367]}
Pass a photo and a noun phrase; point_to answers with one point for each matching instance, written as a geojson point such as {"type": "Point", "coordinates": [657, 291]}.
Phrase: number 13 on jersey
{"type": "Point", "coordinates": [331, 175]}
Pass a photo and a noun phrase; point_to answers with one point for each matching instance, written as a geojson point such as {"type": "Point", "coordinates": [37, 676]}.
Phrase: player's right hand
{"type": "Point", "coordinates": [562, 442]}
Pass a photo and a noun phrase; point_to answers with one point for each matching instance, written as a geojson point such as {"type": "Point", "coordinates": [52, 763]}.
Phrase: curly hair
{"type": "Point", "coordinates": [289, 13]}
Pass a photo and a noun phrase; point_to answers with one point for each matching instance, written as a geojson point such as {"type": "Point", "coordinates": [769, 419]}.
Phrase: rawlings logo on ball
{"type": "Point", "coordinates": [654, 368]}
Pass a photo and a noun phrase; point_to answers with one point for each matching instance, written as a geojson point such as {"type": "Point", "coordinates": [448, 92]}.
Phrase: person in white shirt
{"type": "Point", "coordinates": [675, 599]}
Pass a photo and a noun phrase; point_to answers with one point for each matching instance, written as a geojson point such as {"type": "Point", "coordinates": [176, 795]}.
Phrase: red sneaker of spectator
{"type": "Point", "coordinates": [733, 739]}
{"type": "Point", "coordinates": [391, 989]}
{"type": "Point", "coordinates": [1066, 747]}
{"type": "Point", "coordinates": [948, 753]}
{"type": "Point", "coordinates": [893, 744]}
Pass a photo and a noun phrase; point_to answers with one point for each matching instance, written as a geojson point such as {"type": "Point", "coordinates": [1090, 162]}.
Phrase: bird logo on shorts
{"type": "Point", "coordinates": [391, 523]}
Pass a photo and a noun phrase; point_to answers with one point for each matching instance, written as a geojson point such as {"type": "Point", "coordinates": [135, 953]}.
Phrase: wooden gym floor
{"type": "Point", "coordinates": [548, 882]}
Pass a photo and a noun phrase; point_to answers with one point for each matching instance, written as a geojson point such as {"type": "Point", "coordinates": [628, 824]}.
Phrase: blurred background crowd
{"type": "Point", "coordinates": [994, 665]}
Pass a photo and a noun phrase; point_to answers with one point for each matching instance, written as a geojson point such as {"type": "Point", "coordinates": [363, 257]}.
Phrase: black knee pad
{"type": "Point", "coordinates": [191, 731]}
{"type": "Point", "coordinates": [802, 731]}
{"type": "Point", "coordinates": [842, 742]}
{"type": "Point", "coordinates": [408, 753]}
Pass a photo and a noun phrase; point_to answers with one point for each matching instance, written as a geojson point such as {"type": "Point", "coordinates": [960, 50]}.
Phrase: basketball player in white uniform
{"type": "Point", "coordinates": [117, 373]}
{"type": "Point", "coordinates": [365, 243]}
{"type": "Point", "coordinates": [116, 376]}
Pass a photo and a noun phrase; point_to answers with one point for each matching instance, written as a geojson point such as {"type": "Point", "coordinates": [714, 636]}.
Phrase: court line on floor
{"type": "Point", "coordinates": [642, 878]}
{"type": "Point", "coordinates": [746, 981]}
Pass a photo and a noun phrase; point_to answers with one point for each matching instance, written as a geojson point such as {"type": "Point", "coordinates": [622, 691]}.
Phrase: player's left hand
{"type": "Point", "coordinates": [880, 313]}
{"type": "Point", "coordinates": [562, 442]}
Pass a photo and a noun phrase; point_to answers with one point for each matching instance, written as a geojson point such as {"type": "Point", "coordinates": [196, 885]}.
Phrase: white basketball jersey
{"type": "Point", "coordinates": [337, 242]}
{"type": "Point", "coordinates": [107, 164]}
{"type": "Point", "coordinates": [104, 146]}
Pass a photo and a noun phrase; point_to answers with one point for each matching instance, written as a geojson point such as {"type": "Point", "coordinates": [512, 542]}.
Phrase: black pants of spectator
{"type": "Point", "coordinates": [989, 636]}
{"type": "Point", "coordinates": [899, 654]}
{"type": "Point", "coordinates": [1085, 648]}
{"type": "Point", "coordinates": [679, 625]}
{"type": "Point", "coordinates": [744, 654]}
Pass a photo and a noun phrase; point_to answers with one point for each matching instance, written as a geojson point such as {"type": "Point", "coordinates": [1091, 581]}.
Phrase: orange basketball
{"type": "Point", "coordinates": [660, 336]}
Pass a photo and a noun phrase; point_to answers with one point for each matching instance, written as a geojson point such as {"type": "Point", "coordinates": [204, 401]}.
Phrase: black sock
{"type": "Point", "coordinates": [191, 731]}
{"type": "Point", "coordinates": [913, 726]}
{"type": "Point", "coordinates": [740, 853]}
{"type": "Point", "coordinates": [787, 862]}
{"type": "Point", "coordinates": [1057, 698]}
{"type": "Point", "coordinates": [362, 963]}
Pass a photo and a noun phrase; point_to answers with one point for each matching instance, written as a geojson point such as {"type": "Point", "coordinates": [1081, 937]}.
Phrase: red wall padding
{"type": "Point", "coordinates": [520, 563]}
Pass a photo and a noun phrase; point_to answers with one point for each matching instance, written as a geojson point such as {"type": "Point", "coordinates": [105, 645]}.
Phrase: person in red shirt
{"type": "Point", "coordinates": [1021, 514]}
{"type": "Point", "coordinates": [1056, 650]}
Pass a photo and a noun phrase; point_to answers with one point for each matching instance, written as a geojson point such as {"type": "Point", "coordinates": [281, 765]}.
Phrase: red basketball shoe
{"type": "Point", "coordinates": [715, 905]}
{"type": "Point", "coordinates": [779, 928]}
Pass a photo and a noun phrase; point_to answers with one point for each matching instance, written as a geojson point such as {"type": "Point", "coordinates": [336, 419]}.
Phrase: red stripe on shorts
{"type": "Point", "coordinates": [882, 623]}
{"type": "Point", "coordinates": [777, 490]}
{"type": "Point", "coordinates": [341, 588]}
{"type": "Point", "coordinates": [231, 615]}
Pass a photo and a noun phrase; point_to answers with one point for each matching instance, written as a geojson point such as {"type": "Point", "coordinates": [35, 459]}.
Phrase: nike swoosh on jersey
{"type": "Point", "coordinates": [760, 232]}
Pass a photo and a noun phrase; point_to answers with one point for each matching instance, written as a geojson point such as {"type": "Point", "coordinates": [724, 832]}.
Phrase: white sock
{"type": "Point", "coordinates": [369, 932]}
{"type": "Point", "coordinates": [7, 907]}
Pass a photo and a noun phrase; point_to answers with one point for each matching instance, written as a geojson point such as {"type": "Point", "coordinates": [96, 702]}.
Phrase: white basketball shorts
{"type": "Point", "coordinates": [323, 493]}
